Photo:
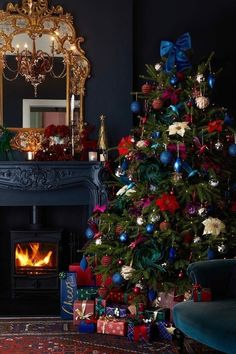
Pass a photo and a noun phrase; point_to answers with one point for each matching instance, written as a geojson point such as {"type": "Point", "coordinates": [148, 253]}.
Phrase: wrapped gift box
{"type": "Point", "coordinates": [87, 293]}
{"type": "Point", "coordinates": [119, 297]}
{"type": "Point", "coordinates": [87, 326]}
{"type": "Point", "coordinates": [68, 288]}
{"type": "Point", "coordinates": [158, 314]}
{"type": "Point", "coordinates": [116, 310]}
{"type": "Point", "coordinates": [84, 277]}
{"type": "Point", "coordinates": [100, 306]}
{"type": "Point", "coordinates": [139, 332]}
{"type": "Point", "coordinates": [169, 300]}
{"type": "Point", "coordinates": [114, 326]}
{"type": "Point", "coordinates": [163, 330]}
{"type": "Point", "coordinates": [201, 294]}
{"type": "Point", "coordinates": [83, 310]}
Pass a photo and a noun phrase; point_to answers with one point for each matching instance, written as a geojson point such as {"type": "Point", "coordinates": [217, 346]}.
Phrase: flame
{"type": "Point", "coordinates": [31, 256]}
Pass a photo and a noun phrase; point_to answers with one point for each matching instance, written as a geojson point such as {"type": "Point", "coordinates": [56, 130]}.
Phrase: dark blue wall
{"type": "Point", "coordinates": [121, 36]}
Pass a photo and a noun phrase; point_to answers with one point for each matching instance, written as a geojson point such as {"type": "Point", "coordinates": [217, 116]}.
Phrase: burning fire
{"type": "Point", "coordinates": [31, 256]}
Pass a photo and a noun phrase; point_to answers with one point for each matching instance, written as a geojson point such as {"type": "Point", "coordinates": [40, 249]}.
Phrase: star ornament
{"type": "Point", "coordinates": [213, 226]}
{"type": "Point", "coordinates": [178, 128]}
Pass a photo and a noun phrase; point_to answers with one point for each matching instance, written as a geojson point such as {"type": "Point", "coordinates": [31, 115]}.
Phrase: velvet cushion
{"type": "Point", "coordinates": [211, 323]}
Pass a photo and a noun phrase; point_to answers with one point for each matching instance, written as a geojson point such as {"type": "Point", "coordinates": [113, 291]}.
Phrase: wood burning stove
{"type": "Point", "coordinates": [35, 258]}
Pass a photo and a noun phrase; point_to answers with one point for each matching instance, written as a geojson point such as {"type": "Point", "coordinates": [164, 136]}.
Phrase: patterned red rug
{"type": "Point", "coordinates": [53, 335]}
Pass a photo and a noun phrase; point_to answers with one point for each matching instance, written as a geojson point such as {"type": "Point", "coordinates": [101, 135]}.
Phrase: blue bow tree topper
{"type": "Point", "coordinates": [176, 53]}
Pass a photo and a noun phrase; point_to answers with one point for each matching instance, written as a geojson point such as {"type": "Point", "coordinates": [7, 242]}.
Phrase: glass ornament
{"type": "Point", "coordinates": [123, 237]}
{"type": "Point", "coordinates": [219, 146]}
{"type": "Point", "coordinates": [178, 165]}
{"type": "Point", "coordinates": [211, 80]}
{"type": "Point", "coordinates": [232, 150]}
{"type": "Point", "coordinates": [166, 157]}
{"type": "Point", "coordinates": [89, 233]}
{"type": "Point", "coordinates": [135, 106]}
{"type": "Point", "coordinates": [140, 220]}
{"type": "Point", "coordinates": [83, 263]}
{"type": "Point", "coordinates": [213, 182]}
{"type": "Point", "coordinates": [117, 279]}
{"type": "Point", "coordinates": [150, 228]}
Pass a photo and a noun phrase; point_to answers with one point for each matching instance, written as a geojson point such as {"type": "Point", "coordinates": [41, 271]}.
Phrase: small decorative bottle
{"type": "Point", "coordinates": [102, 140]}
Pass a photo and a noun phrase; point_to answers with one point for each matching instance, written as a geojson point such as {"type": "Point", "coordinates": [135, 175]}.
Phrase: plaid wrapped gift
{"type": "Point", "coordinates": [163, 332]}
{"type": "Point", "coordinates": [68, 287]}
{"type": "Point", "coordinates": [201, 294]}
{"type": "Point", "coordinates": [158, 314]}
{"type": "Point", "coordinates": [100, 306]}
{"type": "Point", "coordinates": [82, 310]}
{"type": "Point", "coordinates": [116, 310]}
{"type": "Point", "coordinates": [87, 293]}
{"type": "Point", "coordinates": [87, 326]}
{"type": "Point", "coordinates": [139, 332]}
{"type": "Point", "coordinates": [109, 325]}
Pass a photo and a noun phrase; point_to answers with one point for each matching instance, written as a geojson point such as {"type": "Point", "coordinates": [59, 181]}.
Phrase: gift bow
{"type": "Point", "coordinates": [140, 332]}
{"type": "Point", "coordinates": [81, 313]}
{"type": "Point", "coordinates": [175, 53]}
{"type": "Point", "coordinates": [197, 287]}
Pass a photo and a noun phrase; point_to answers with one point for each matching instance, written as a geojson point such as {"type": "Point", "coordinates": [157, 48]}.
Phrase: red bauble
{"type": "Point", "coordinates": [157, 103]}
{"type": "Point", "coordinates": [119, 229]}
{"type": "Point", "coordinates": [181, 275]}
{"type": "Point", "coordinates": [164, 225]}
{"type": "Point", "coordinates": [146, 88]}
{"type": "Point", "coordinates": [136, 290]}
{"type": "Point", "coordinates": [188, 237]}
{"type": "Point", "coordinates": [106, 260]}
{"type": "Point", "coordinates": [103, 292]}
{"type": "Point", "coordinates": [180, 75]}
{"type": "Point", "coordinates": [120, 262]}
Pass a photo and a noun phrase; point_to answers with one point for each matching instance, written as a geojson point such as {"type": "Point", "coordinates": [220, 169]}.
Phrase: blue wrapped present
{"type": "Point", "coordinates": [87, 326]}
{"type": "Point", "coordinates": [163, 331]}
{"type": "Point", "coordinates": [139, 332]}
{"type": "Point", "coordinates": [68, 289]}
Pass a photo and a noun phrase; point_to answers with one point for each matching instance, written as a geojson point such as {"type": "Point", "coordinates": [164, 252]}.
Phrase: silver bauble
{"type": "Point", "coordinates": [154, 217]}
{"type": "Point", "coordinates": [140, 220]}
{"type": "Point", "coordinates": [200, 78]}
{"type": "Point", "coordinates": [202, 102]}
{"type": "Point", "coordinates": [158, 66]}
{"type": "Point", "coordinates": [219, 145]}
{"type": "Point", "coordinates": [196, 239]}
{"type": "Point", "coordinates": [202, 212]}
{"type": "Point", "coordinates": [153, 188]}
{"type": "Point", "coordinates": [221, 248]}
{"type": "Point", "coordinates": [213, 182]}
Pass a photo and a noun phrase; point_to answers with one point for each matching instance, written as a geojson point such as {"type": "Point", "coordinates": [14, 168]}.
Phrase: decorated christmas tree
{"type": "Point", "coordinates": [174, 198]}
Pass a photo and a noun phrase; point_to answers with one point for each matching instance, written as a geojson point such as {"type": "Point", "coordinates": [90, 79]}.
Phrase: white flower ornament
{"type": "Point", "coordinates": [213, 226]}
{"type": "Point", "coordinates": [178, 128]}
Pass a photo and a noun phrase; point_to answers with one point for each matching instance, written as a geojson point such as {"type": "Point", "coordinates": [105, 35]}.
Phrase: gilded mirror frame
{"type": "Point", "coordinates": [35, 18]}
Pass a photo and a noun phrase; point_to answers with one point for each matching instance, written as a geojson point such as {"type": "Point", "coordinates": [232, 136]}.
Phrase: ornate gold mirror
{"type": "Point", "coordinates": [32, 34]}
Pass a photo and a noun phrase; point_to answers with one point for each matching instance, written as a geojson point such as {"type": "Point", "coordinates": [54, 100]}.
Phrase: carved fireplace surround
{"type": "Point", "coordinates": [26, 183]}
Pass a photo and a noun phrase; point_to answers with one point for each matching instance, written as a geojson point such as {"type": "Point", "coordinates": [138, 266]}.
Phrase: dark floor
{"type": "Point", "coordinates": [30, 305]}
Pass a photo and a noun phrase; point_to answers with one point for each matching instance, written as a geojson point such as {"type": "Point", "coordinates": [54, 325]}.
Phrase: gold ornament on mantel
{"type": "Point", "coordinates": [102, 140]}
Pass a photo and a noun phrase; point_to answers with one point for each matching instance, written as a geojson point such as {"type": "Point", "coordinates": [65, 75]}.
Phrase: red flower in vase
{"type": "Point", "coordinates": [167, 202]}
{"type": "Point", "coordinates": [60, 130]}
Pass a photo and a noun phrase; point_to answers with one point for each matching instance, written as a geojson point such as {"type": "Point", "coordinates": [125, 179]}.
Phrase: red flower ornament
{"type": "Point", "coordinates": [125, 145]}
{"type": "Point", "coordinates": [215, 126]}
{"type": "Point", "coordinates": [167, 202]}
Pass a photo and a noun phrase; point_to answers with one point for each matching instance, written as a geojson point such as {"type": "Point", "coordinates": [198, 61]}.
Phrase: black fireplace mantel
{"type": "Point", "coordinates": [24, 183]}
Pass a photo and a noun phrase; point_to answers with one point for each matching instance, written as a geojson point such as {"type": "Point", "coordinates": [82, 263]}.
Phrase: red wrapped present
{"type": "Point", "coordinates": [99, 281]}
{"type": "Point", "coordinates": [84, 277]}
{"type": "Point", "coordinates": [201, 294]}
{"type": "Point", "coordinates": [82, 310]}
{"type": "Point", "coordinates": [109, 325]}
{"type": "Point", "coordinates": [120, 297]}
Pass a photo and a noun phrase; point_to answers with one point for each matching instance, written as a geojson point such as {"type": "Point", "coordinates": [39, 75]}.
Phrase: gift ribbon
{"type": "Point", "coordinates": [81, 313]}
{"type": "Point", "coordinates": [175, 53]}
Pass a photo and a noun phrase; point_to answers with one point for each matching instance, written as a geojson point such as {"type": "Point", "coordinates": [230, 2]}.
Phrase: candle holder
{"type": "Point", "coordinates": [30, 155]}
{"type": "Point", "coordinates": [92, 155]}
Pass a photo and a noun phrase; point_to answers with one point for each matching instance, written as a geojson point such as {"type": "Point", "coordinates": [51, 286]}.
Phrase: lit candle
{"type": "Point", "coordinates": [72, 107]}
{"type": "Point", "coordinates": [93, 156]}
{"type": "Point", "coordinates": [17, 49]}
{"type": "Point", "coordinates": [30, 155]}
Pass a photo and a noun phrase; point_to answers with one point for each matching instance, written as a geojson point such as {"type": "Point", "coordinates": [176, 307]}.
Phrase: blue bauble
{"type": "Point", "coordinates": [210, 253]}
{"type": "Point", "coordinates": [232, 150]}
{"type": "Point", "coordinates": [173, 80]}
{"type": "Point", "coordinates": [172, 254]}
{"type": "Point", "coordinates": [152, 294]}
{"type": "Point", "coordinates": [83, 263]}
{"type": "Point", "coordinates": [124, 164]}
{"type": "Point", "coordinates": [178, 165]}
{"type": "Point", "coordinates": [123, 237]}
{"type": "Point", "coordinates": [150, 228]}
{"type": "Point", "coordinates": [155, 135]}
{"type": "Point", "coordinates": [211, 80]}
{"type": "Point", "coordinates": [89, 233]}
{"type": "Point", "coordinates": [228, 120]}
{"type": "Point", "coordinates": [117, 279]}
{"type": "Point", "coordinates": [135, 107]}
{"type": "Point", "coordinates": [166, 157]}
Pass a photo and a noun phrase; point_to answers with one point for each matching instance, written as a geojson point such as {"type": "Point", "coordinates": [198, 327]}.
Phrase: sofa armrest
{"type": "Point", "coordinates": [215, 274]}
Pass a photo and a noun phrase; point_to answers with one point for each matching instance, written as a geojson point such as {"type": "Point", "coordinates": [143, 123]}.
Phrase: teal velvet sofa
{"type": "Point", "coordinates": [211, 323]}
